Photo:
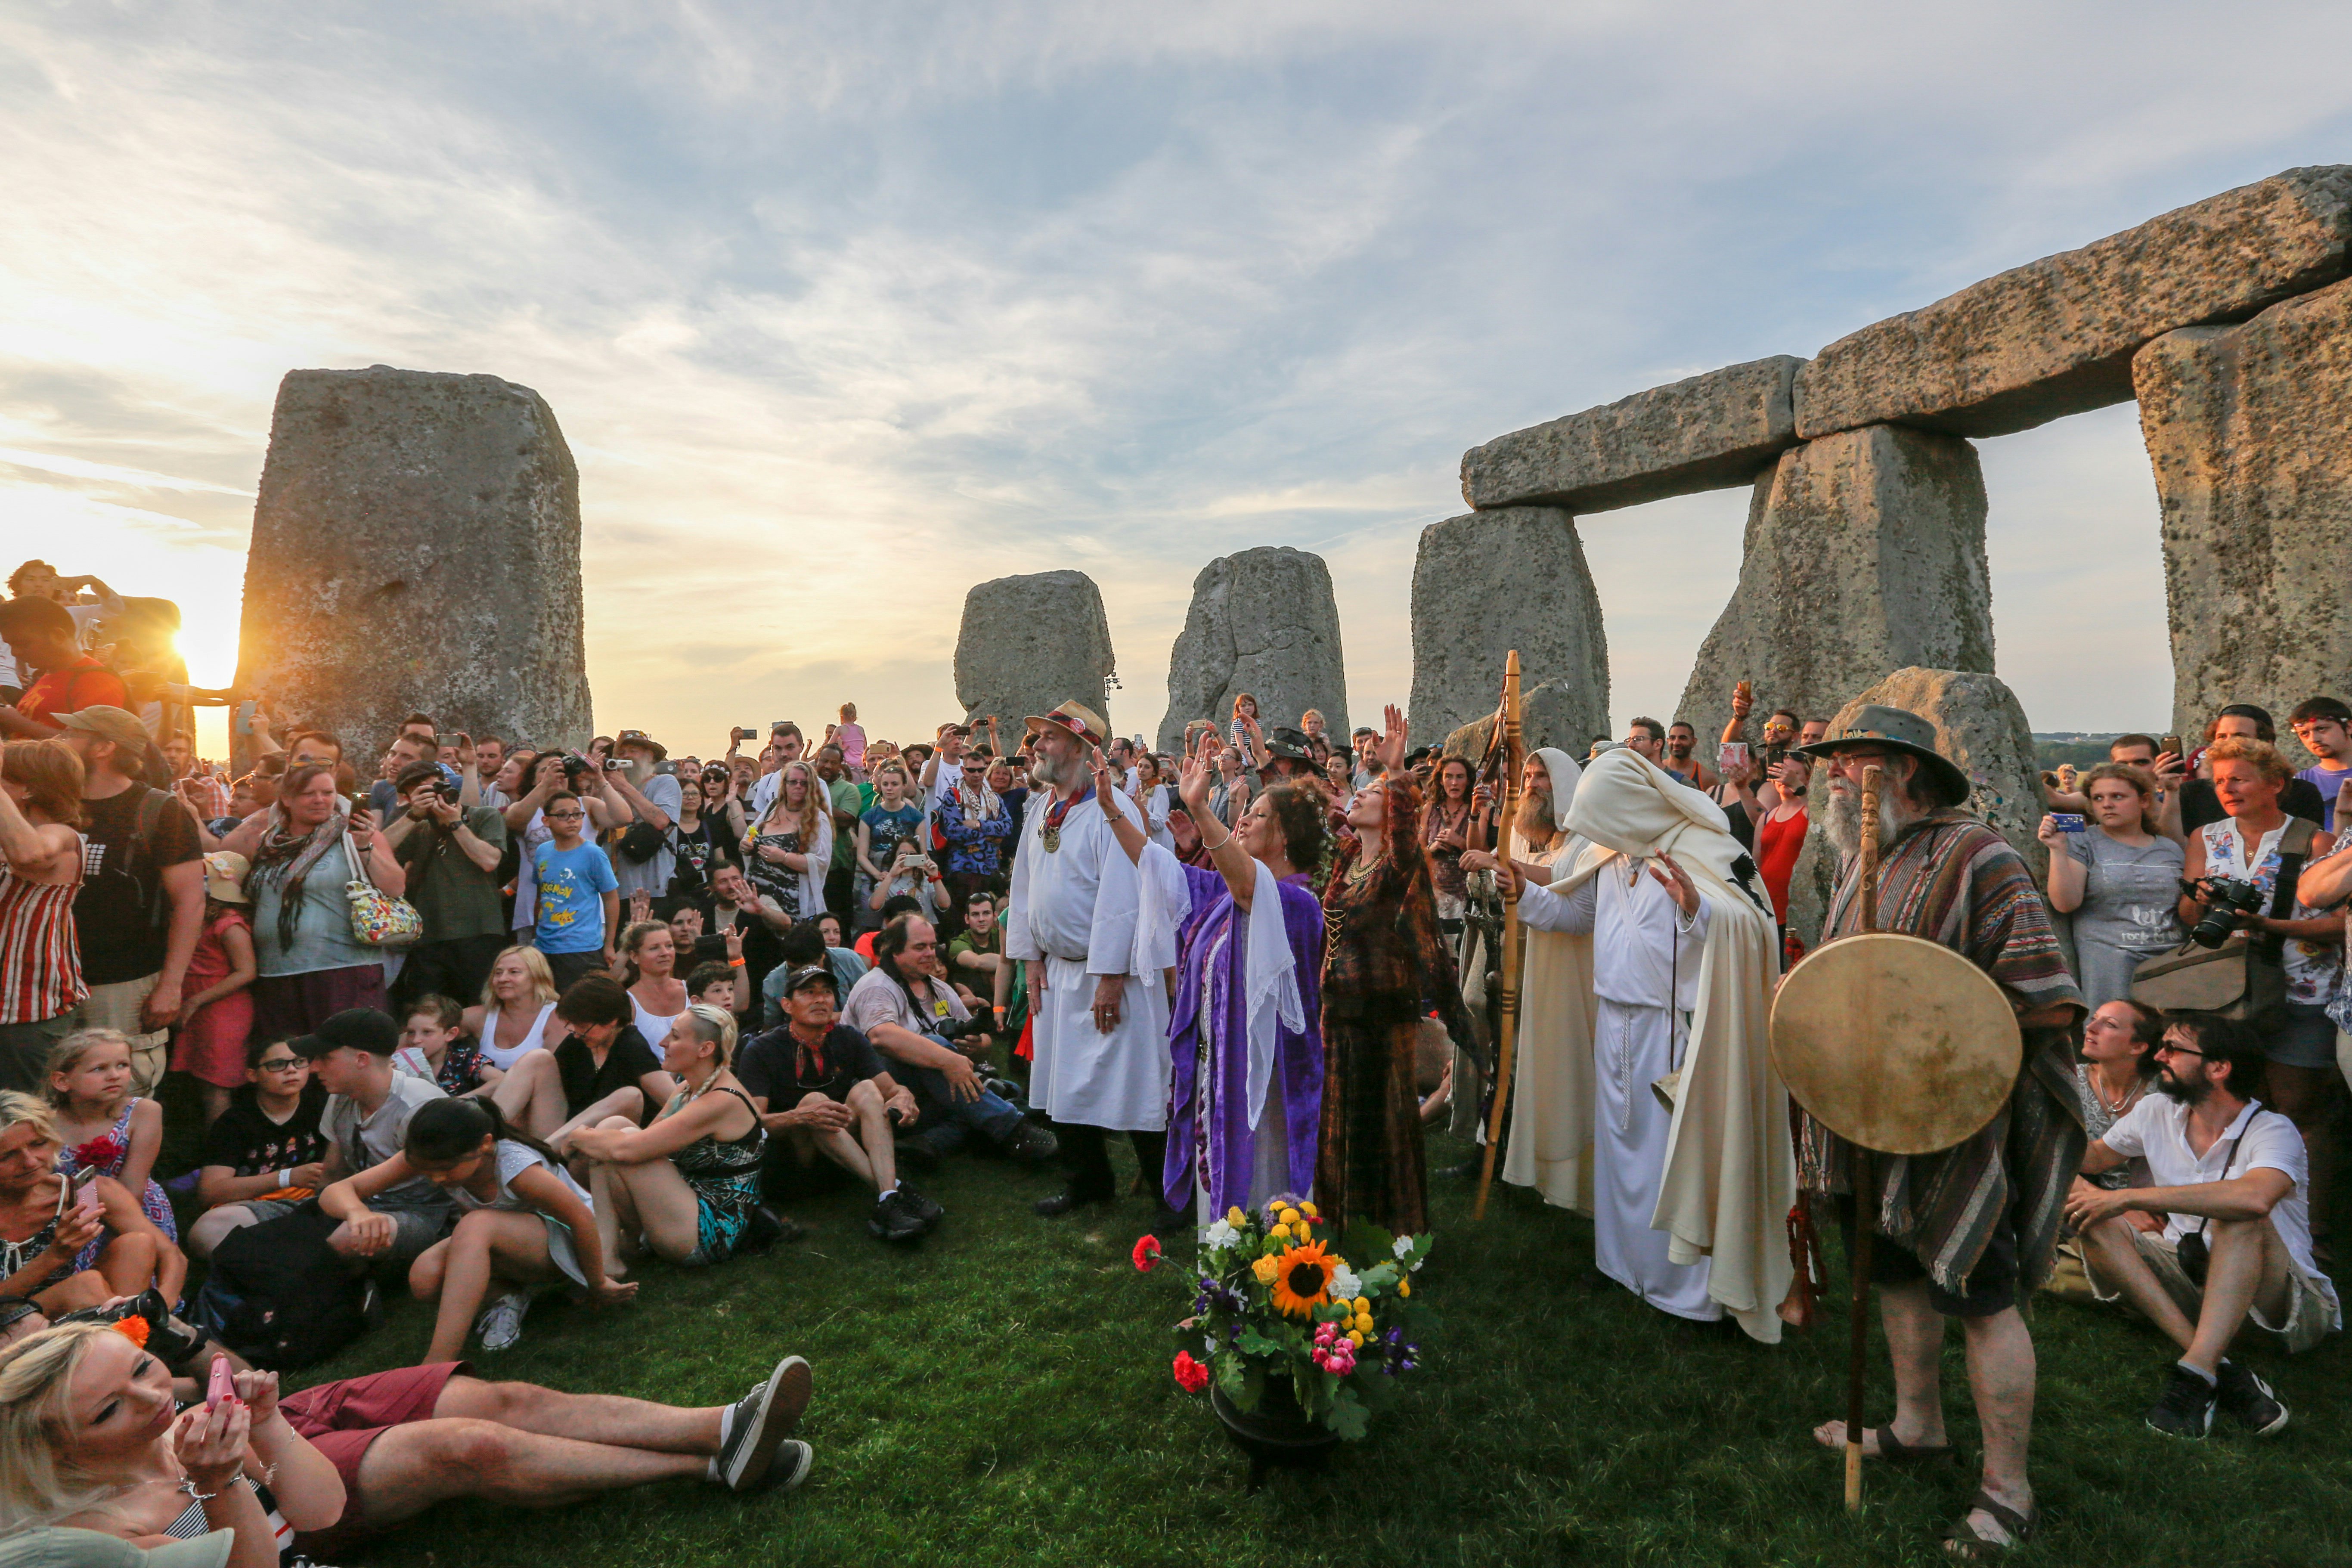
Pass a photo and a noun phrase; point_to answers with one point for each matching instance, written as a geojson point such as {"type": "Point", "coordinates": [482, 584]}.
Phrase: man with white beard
{"type": "Point", "coordinates": [1688, 1197]}
{"type": "Point", "coordinates": [1968, 1232]}
{"type": "Point", "coordinates": [1101, 1040]}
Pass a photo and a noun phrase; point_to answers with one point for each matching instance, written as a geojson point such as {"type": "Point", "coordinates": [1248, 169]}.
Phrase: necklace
{"type": "Point", "coordinates": [2114, 1103]}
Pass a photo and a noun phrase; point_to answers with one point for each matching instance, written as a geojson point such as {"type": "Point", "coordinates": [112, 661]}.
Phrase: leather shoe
{"type": "Point", "coordinates": [1060, 1203]}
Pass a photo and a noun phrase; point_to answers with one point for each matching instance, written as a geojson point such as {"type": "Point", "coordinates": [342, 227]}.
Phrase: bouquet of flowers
{"type": "Point", "coordinates": [1280, 1303]}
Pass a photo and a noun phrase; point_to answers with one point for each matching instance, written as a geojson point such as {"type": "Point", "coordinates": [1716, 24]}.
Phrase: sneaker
{"type": "Point", "coordinates": [2185, 1408]}
{"type": "Point", "coordinates": [2246, 1401]}
{"type": "Point", "coordinates": [794, 1458]}
{"type": "Point", "coordinates": [921, 1207]}
{"type": "Point", "coordinates": [502, 1324]}
{"type": "Point", "coordinates": [762, 1420]}
{"type": "Point", "coordinates": [1031, 1144]}
{"type": "Point", "coordinates": [893, 1220]}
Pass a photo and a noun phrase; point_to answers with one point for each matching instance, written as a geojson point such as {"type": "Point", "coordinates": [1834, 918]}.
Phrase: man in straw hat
{"type": "Point", "coordinates": [1692, 1173]}
{"type": "Point", "coordinates": [1101, 1061]}
{"type": "Point", "coordinates": [1967, 1233]}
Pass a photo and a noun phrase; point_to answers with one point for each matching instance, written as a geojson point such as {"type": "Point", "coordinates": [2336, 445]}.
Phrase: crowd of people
{"type": "Point", "coordinates": [489, 1019]}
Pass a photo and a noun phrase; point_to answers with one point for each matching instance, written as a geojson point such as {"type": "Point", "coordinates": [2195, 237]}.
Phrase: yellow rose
{"type": "Point", "coordinates": [1404, 1287]}
{"type": "Point", "coordinates": [1265, 1268]}
{"type": "Point", "coordinates": [1235, 1217]}
{"type": "Point", "coordinates": [1308, 1209]}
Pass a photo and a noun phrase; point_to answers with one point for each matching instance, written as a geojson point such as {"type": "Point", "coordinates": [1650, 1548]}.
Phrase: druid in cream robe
{"type": "Point", "coordinates": [1726, 1174]}
{"type": "Point", "coordinates": [1550, 1145]}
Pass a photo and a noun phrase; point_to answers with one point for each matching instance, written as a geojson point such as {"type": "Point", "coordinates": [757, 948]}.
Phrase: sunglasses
{"type": "Point", "coordinates": [2168, 1049]}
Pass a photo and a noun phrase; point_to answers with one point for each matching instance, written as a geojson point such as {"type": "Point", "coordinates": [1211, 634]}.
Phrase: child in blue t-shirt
{"type": "Point", "coordinates": [579, 898]}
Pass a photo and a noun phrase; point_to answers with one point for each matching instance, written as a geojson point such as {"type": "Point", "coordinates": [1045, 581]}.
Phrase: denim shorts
{"type": "Point", "coordinates": [2306, 1037]}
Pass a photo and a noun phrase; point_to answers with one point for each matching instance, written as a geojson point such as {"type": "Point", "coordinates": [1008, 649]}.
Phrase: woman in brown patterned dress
{"type": "Point", "coordinates": [1385, 965]}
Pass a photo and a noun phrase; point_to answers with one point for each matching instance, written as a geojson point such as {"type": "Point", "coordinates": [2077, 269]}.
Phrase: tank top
{"type": "Point", "coordinates": [654, 1026]}
{"type": "Point", "coordinates": [1777, 845]}
{"type": "Point", "coordinates": [502, 1058]}
{"type": "Point", "coordinates": [40, 960]}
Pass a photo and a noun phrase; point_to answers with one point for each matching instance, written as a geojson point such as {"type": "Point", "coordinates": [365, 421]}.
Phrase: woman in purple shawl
{"type": "Point", "coordinates": [1245, 1098]}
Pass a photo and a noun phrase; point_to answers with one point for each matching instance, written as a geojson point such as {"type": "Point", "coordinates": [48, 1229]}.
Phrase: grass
{"type": "Point", "coordinates": [1001, 1392]}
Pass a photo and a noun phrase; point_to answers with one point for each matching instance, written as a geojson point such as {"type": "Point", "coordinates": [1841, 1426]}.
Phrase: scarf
{"type": "Point", "coordinates": [980, 803]}
{"type": "Point", "coordinates": [299, 853]}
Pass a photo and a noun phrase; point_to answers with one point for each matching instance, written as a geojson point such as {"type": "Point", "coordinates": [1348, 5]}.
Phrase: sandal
{"type": "Point", "coordinates": [1964, 1543]}
{"type": "Point", "coordinates": [1892, 1450]}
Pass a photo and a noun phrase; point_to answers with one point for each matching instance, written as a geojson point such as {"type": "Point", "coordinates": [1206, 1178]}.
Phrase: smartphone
{"type": "Point", "coordinates": [85, 1192]}
{"type": "Point", "coordinates": [2068, 821]}
{"type": "Point", "coordinates": [1745, 691]}
{"type": "Point", "coordinates": [2171, 743]}
{"type": "Point", "coordinates": [221, 1384]}
{"type": "Point", "coordinates": [245, 711]}
{"type": "Point", "coordinates": [1731, 755]}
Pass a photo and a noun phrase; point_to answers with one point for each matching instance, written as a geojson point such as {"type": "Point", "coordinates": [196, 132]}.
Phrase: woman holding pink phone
{"type": "Point", "coordinates": [66, 1244]}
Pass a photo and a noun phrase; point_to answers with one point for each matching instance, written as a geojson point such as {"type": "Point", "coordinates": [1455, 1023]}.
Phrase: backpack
{"type": "Point", "coordinates": [279, 1295]}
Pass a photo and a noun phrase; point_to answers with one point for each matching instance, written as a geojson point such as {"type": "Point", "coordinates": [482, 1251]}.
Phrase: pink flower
{"type": "Point", "coordinates": [1146, 1254]}
{"type": "Point", "coordinates": [1190, 1375]}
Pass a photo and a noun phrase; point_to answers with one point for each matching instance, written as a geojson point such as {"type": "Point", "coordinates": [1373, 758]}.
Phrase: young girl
{"type": "Point", "coordinates": [890, 820]}
{"type": "Point", "coordinates": [435, 1047]}
{"type": "Point", "coordinates": [688, 1185]}
{"type": "Point", "coordinates": [517, 1007]}
{"type": "Point", "coordinates": [850, 736]}
{"type": "Point", "coordinates": [524, 1222]}
{"type": "Point", "coordinates": [103, 1125]}
{"type": "Point", "coordinates": [219, 1006]}
{"type": "Point", "coordinates": [649, 952]}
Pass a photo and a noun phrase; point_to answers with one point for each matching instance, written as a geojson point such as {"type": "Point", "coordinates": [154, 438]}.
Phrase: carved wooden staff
{"type": "Point", "coordinates": [1858, 1339]}
{"type": "Point", "coordinates": [1507, 1013]}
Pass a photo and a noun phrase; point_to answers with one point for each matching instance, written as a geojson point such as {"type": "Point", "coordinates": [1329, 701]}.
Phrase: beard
{"type": "Point", "coordinates": [2172, 1087]}
{"type": "Point", "coordinates": [1842, 822]}
{"type": "Point", "coordinates": [1053, 772]}
{"type": "Point", "coordinates": [1533, 820]}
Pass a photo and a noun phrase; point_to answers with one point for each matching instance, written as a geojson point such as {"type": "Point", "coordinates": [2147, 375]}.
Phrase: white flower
{"type": "Point", "coordinates": [1221, 1233]}
{"type": "Point", "coordinates": [1404, 1245]}
{"type": "Point", "coordinates": [1345, 1285]}
{"type": "Point", "coordinates": [1209, 1343]}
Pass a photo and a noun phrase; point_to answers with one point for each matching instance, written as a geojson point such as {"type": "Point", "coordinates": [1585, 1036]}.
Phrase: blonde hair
{"type": "Point", "coordinates": [534, 963]}
{"type": "Point", "coordinates": [68, 1053]}
{"type": "Point", "coordinates": [633, 937]}
{"type": "Point", "coordinates": [20, 1109]}
{"type": "Point", "coordinates": [2261, 753]}
{"type": "Point", "coordinates": [810, 811]}
{"type": "Point", "coordinates": [717, 1025]}
{"type": "Point", "coordinates": [37, 1485]}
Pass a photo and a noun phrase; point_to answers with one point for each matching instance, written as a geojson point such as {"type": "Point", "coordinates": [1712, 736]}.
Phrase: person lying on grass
{"type": "Point", "coordinates": [523, 1222]}
{"type": "Point", "coordinates": [688, 1187]}
{"type": "Point", "coordinates": [399, 1442]}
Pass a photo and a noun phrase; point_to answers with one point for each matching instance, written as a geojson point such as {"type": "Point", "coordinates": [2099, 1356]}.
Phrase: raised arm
{"type": "Point", "coordinates": [1123, 827]}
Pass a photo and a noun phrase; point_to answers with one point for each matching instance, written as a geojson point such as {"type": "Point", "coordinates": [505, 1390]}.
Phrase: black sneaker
{"type": "Point", "coordinates": [763, 1418]}
{"type": "Point", "coordinates": [1031, 1144]}
{"type": "Point", "coordinates": [894, 1221]}
{"type": "Point", "coordinates": [2246, 1401]}
{"type": "Point", "coordinates": [2185, 1408]}
{"type": "Point", "coordinates": [921, 1207]}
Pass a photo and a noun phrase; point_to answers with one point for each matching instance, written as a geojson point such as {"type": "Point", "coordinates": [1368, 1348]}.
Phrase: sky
{"type": "Point", "coordinates": [843, 308]}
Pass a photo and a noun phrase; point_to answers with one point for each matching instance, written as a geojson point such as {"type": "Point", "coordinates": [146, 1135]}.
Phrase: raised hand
{"type": "Point", "coordinates": [1677, 883]}
{"type": "Point", "coordinates": [1106, 783]}
{"type": "Point", "coordinates": [1389, 749]}
{"type": "Point", "coordinates": [1193, 781]}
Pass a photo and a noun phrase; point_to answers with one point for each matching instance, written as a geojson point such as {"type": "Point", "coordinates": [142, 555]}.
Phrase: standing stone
{"type": "Point", "coordinates": [1978, 725]}
{"type": "Point", "coordinates": [1028, 643]}
{"type": "Point", "coordinates": [1552, 714]}
{"type": "Point", "coordinates": [416, 545]}
{"type": "Point", "coordinates": [1263, 621]}
{"type": "Point", "coordinates": [2056, 336]}
{"type": "Point", "coordinates": [1492, 581]}
{"type": "Point", "coordinates": [2246, 427]}
{"type": "Point", "coordinates": [1864, 553]}
{"type": "Point", "coordinates": [1708, 431]}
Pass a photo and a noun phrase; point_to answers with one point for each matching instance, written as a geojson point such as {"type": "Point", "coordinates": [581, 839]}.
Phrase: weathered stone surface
{"type": "Point", "coordinates": [1978, 725]}
{"type": "Point", "coordinates": [1709, 432]}
{"type": "Point", "coordinates": [1493, 581]}
{"type": "Point", "coordinates": [2246, 427]}
{"type": "Point", "coordinates": [1556, 713]}
{"type": "Point", "coordinates": [2056, 336]}
{"type": "Point", "coordinates": [1263, 621]}
{"type": "Point", "coordinates": [417, 545]}
{"type": "Point", "coordinates": [1864, 553]}
{"type": "Point", "coordinates": [1030, 642]}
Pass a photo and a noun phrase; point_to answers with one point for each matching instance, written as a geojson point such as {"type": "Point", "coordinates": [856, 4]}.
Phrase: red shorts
{"type": "Point", "coordinates": [344, 1419]}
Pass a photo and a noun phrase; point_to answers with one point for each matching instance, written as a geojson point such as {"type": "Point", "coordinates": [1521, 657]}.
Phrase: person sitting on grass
{"type": "Point", "coordinates": [2232, 1181]}
{"type": "Point", "coordinates": [822, 1090]}
{"type": "Point", "coordinates": [517, 1012]}
{"type": "Point", "coordinates": [434, 1045]}
{"type": "Point", "coordinates": [602, 1067]}
{"type": "Point", "coordinates": [400, 1442]}
{"type": "Point", "coordinates": [688, 1186]}
{"type": "Point", "coordinates": [56, 1249]}
{"type": "Point", "coordinates": [267, 1145]}
{"type": "Point", "coordinates": [524, 1222]}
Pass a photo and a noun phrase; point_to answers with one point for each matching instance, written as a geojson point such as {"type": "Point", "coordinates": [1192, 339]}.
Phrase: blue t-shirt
{"type": "Point", "coordinates": [572, 888]}
{"type": "Point", "coordinates": [2327, 784]}
{"type": "Point", "coordinates": [884, 830]}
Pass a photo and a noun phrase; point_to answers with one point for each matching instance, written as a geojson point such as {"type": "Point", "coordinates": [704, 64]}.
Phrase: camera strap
{"type": "Point", "coordinates": [2294, 848]}
{"type": "Point", "coordinates": [2253, 1109]}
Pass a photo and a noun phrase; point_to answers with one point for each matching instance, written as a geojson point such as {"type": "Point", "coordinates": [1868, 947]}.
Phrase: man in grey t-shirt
{"type": "Point", "coordinates": [365, 1123]}
{"type": "Point", "coordinates": [656, 800]}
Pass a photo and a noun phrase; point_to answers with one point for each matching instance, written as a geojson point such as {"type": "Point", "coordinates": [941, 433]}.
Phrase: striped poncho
{"type": "Point", "coordinates": [1950, 880]}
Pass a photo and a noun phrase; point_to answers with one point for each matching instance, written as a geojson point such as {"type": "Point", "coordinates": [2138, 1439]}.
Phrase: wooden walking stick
{"type": "Point", "coordinates": [1858, 1344]}
{"type": "Point", "coordinates": [1507, 1011]}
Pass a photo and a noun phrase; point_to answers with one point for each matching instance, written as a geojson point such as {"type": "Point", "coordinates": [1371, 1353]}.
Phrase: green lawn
{"type": "Point", "coordinates": [1001, 1393]}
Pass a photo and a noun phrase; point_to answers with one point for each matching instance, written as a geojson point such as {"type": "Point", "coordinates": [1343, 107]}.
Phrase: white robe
{"type": "Point", "coordinates": [1550, 1145]}
{"type": "Point", "coordinates": [1075, 908]}
{"type": "Point", "coordinates": [1646, 971]}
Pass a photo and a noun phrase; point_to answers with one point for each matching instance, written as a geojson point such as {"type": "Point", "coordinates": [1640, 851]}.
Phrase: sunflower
{"type": "Point", "coordinates": [1302, 1279]}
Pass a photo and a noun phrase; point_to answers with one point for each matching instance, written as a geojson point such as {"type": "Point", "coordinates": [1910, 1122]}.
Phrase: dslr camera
{"type": "Point", "coordinates": [2230, 900]}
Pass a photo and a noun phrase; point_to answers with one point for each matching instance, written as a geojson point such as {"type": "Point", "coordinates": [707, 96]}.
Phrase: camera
{"type": "Point", "coordinates": [2231, 901]}
{"type": "Point", "coordinates": [171, 1342]}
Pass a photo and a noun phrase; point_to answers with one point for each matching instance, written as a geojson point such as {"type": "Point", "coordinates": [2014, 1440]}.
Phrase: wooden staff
{"type": "Point", "coordinates": [1858, 1342]}
{"type": "Point", "coordinates": [1506, 1012]}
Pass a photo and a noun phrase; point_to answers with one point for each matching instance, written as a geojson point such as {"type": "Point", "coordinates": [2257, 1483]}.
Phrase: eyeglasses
{"type": "Point", "coordinates": [279, 1064]}
{"type": "Point", "coordinates": [562, 815]}
{"type": "Point", "coordinates": [2168, 1049]}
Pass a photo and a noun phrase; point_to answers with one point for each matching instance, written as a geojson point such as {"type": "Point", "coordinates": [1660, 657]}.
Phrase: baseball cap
{"type": "Point", "coordinates": [108, 724]}
{"type": "Point", "coordinates": [52, 1547]}
{"type": "Point", "coordinates": [353, 1028]}
{"type": "Point", "coordinates": [811, 975]}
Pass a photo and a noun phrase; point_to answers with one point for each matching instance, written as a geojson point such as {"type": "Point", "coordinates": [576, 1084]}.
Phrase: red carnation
{"type": "Point", "coordinates": [1190, 1375]}
{"type": "Point", "coordinates": [97, 1154]}
{"type": "Point", "coordinates": [1146, 1253]}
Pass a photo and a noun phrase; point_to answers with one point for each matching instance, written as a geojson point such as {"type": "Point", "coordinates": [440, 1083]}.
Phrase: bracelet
{"type": "Point", "coordinates": [734, 963]}
{"type": "Point", "coordinates": [188, 1485]}
{"type": "Point", "coordinates": [286, 1177]}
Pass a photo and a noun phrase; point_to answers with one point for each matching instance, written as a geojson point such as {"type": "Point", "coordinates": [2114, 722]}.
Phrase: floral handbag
{"type": "Point", "coordinates": [378, 918]}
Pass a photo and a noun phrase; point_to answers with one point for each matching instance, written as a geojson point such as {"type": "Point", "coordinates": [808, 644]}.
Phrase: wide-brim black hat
{"type": "Point", "coordinates": [1896, 730]}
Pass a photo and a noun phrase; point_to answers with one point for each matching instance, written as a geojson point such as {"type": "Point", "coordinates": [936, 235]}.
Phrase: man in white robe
{"type": "Point", "coordinates": [1100, 1036]}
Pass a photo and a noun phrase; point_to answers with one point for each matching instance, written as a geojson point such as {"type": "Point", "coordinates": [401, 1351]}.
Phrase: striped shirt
{"type": "Point", "coordinates": [40, 960]}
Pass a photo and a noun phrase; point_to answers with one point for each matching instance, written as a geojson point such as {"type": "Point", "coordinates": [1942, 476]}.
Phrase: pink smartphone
{"type": "Point", "coordinates": [86, 1195]}
{"type": "Point", "coordinates": [222, 1384]}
